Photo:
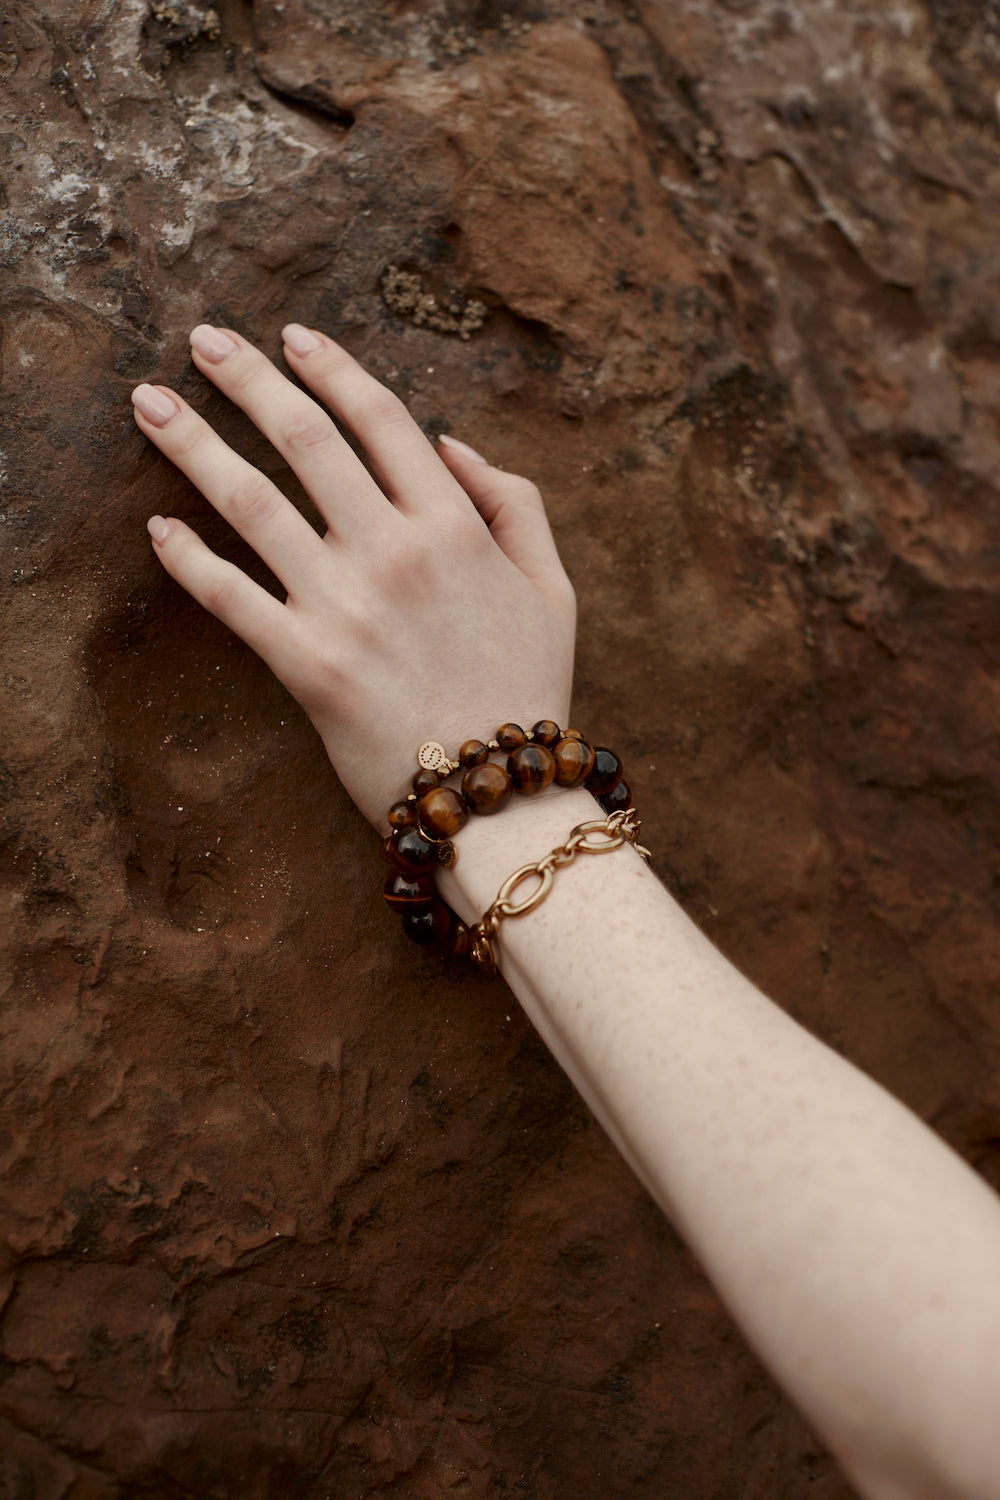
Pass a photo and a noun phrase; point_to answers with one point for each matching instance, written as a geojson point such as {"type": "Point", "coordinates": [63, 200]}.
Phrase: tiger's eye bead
{"type": "Point", "coordinates": [606, 774]}
{"type": "Point", "coordinates": [404, 892]}
{"type": "Point", "coordinates": [618, 799]}
{"type": "Point", "coordinates": [459, 940]}
{"type": "Point", "coordinates": [428, 924]}
{"type": "Point", "coordinates": [401, 815]}
{"type": "Point", "coordinates": [574, 761]}
{"type": "Point", "coordinates": [442, 812]}
{"type": "Point", "coordinates": [407, 849]}
{"type": "Point", "coordinates": [509, 736]}
{"type": "Point", "coordinates": [546, 732]}
{"type": "Point", "coordinates": [487, 788]}
{"type": "Point", "coordinates": [473, 753]}
{"type": "Point", "coordinates": [532, 768]}
{"type": "Point", "coordinates": [572, 734]}
{"type": "Point", "coordinates": [424, 781]}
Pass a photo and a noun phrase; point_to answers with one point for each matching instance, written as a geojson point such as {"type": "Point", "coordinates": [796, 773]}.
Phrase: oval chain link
{"type": "Point", "coordinates": [618, 828]}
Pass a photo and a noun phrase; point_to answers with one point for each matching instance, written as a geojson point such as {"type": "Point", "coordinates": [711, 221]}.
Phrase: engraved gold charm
{"type": "Point", "coordinates": [431, 755]}
{"type": "Point", "coordinates": [446, 853]}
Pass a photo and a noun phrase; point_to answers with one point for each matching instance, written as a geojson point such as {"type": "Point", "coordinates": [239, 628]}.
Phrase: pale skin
{"type": "Point", "coordinates": [857, 1252]}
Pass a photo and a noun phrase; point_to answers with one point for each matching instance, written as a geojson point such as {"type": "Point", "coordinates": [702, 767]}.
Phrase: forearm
{"type": "Point", "coordinates": [857, 1252]}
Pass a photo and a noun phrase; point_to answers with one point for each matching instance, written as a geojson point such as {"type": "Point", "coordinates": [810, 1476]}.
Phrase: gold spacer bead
{"type": "Point", "coordinates": [493, 744]}
{"type": "Point", "coordinates": [411, 797]}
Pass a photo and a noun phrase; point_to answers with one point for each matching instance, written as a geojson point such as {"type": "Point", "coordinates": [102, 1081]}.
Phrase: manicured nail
{"type": "Point", "coordinates": [158, 528]}
{"type": "Point", "coordinates": [212, 343]}
{"type": "Point", "coordinates": [301, 340]}
{"type": "Point", "coordinates": [463, 448]}
{"type": "Point", "coordinates": [154, 405]}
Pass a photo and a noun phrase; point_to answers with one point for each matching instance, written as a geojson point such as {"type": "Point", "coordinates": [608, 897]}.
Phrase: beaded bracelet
{"type": "Point", "coordinates": [424, 824]}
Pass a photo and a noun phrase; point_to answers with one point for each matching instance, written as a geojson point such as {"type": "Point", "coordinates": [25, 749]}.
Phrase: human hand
{"type": "Point", "coordinates": [435, 607]}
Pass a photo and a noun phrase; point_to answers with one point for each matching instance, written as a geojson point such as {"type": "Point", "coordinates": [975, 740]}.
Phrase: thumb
{"type": "Point", "coordinates": [512, 509]}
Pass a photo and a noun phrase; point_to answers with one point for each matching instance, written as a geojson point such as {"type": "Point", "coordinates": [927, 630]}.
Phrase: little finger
{"type": "Point", "coordinates": [226, 592]}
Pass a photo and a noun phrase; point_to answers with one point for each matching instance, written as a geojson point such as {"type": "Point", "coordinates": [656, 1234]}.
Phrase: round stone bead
{"type": "Point", "coordinates": [428, 924]}
{"type": "Point", "coordinates": [404, 892]}
{"type": "Point", "coordinates": [459, 940]}
{"type": "Point", "coordinates": [546, 732]}
{"type": "Point", "coordinates": [423, 781]}
{"type": "Point", "coordinates": [402, 815]}
{"type": "Point", "coordinates": [572, 734]}
{"type": "Point", "coordinates": [532, 768]}
{"type": "Point", "coordinates": [407, 849]}
{"type": "Point", "coordinates": [574, 761]}
{"type": "Point", "coordinates": [509, 736]}
{"type": "Point", "coordinates": [487, 788]}
{"type": "Point", "coordinates": [442, 812]}
{"type": "Point", "coordinates": [618, 799]}
{"type": "Point", "coordinates": [607, 772]}
{"type": "Point", "coordinates": [473, 753]}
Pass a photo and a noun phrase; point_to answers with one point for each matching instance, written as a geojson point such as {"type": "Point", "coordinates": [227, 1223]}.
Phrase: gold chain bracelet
{"type": "Point", "coordinates": [618, 827]}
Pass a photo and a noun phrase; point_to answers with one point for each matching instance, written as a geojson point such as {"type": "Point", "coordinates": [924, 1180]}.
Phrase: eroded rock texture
{"type": "Point", "coordinates": [289, 1209]}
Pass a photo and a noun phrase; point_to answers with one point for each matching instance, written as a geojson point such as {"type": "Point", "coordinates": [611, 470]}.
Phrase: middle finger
{"type": "Point", "coordinates": [335, 479]}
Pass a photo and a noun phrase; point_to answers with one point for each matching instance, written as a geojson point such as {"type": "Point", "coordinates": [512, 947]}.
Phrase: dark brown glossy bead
{"type": "Point", "coordinates": [509, 736]}
{"type": "Point", "coordinates": [532, 768]}
{"type": "Point", "coordinates": [606, 774]}
{"type": "Point", "coordinates": [402, 814]}
{"type": "Point", "coordinates": [572, 734]}
{"type": "Point", "coordinates": [423, 781]}
{"type": "Point", "coordinates": [404, 892]}
{"type": "Point", "coordinates": [460, 940]}
{"type": "Point", "coordinates": [473, 753]}
{"type": "Point", "coordinates": [428, 924]}
{"type": "Point", "coordinates": [618, 799]}
{"type": "Point", "coordinates": [442, 812]}
{"type": "Point", "coordinates": [487, 788]}
{"type": "Point", "coordinates": [407, 849]}
{"type": "Point", "coordinates": [546, 732]}
{"type": "Point", "coordinates": [574, 761]}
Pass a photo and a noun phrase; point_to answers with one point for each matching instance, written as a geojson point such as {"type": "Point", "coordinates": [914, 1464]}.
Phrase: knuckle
{"type": "Point", "coordinates": [566, 591]}
{"type": "Point", "coordinates": [188, 438]}
{"type": "Point", "coordinates": [402, 573]}
{"type": "Point", "coordinates": [323, 678]}
{"type": "Point", "coordinates": [525, 492]}
{"type": "Point", "coordinates": [218, 595]}
{"type": "Point", "coordinates": [243, 371]}
{"type": "Point", "coordinates": [306, 433]}
{"type": "Point", "coordinates": [252, 501]}
{"type": "Point", "coordinates": [381, 408]}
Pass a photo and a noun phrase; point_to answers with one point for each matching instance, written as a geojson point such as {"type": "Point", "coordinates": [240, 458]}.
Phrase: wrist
{"type": "Point", "coordinates": [491, 849]}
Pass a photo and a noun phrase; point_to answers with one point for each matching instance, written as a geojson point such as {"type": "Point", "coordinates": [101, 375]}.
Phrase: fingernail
{"type": "Point", "coordinates": [154, 405]}
{"type": "Point", "coordinates": [158, 528]}
{"type": "Point", "coordinates": [212, 343]}
{"type": "Point", "coordinates": [463, 448]}
{"type": "Point", "coordinates": [301, 340]}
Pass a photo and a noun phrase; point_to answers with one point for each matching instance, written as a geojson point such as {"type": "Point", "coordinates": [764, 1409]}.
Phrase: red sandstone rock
{"type": "Point", "coordinates": [287, 1208]}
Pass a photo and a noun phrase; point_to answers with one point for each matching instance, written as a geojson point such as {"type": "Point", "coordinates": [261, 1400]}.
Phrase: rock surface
{"type": "Point", "coordinates": [288, 1210]}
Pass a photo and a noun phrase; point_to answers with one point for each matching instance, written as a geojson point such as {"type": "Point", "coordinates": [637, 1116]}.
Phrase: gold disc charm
{"type": "Point", "coordinates": [432, 756]}
{"type": "Point", "coordinates": [446, 853]}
